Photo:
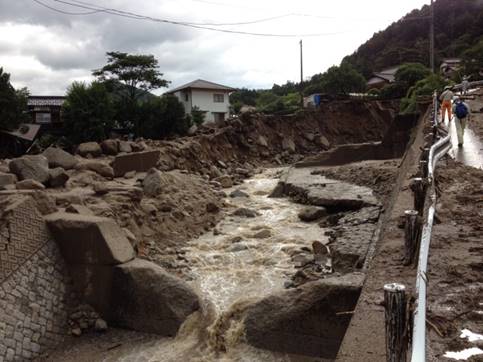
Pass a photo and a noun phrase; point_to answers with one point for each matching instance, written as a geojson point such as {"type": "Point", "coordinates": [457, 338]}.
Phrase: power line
{"type": "Point", "coordinates": [65, 12]}
{"type": "Point", "coordinates": [135, 16]}
{"type": "Point", "coordinates": [104, 9]}
{"type": "Point", "coordinates": [291, 14]}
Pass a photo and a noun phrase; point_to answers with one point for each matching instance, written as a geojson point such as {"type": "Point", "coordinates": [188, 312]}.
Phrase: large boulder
{"type": "Point", "coordinates": [157, 181]}
{"type": "Point", "coordinates": [7, 179]}
{"type": "Point", "coordinates": [324, 142]}
{"type": "Point", "coordinates": [308, 186]}
{"type": "Point", "coordinates": [110, 147]}
{"type": "Point", "coordinates": [125, 146]}
{"type": "Point", "coordinates": [312, 213]}
{"type": "Point", "coordinates": [309, 320]}
{"type": "Point", "coordinates": [225, 181]}
{"type": "Point", "coordinates": [29, 184]}
{"type": "Point", "coordinates": [30, 167]}
{"type": "Point", "coordinates": [139, 162]}
{"type": "Point", "coordinates": [89, 148]}
{"type": "Point", "coordinates": [146, 298]}
{"type": "Point", "coordinates": [98, 167]}
{"type": "Point", "coordinates": [85, 239]}
{"type": "Point", "coordinates": [59, 158]}
{"type": "Point", "coordinates": [58, 177]}
{"type": "Point", "coordinates": [262, 141]}
{"type": "Point", "coordinates": [288, 145]}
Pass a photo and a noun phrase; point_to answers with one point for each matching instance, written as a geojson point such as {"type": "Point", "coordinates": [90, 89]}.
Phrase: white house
{"type": "Point", "coordinates": [209, 97]}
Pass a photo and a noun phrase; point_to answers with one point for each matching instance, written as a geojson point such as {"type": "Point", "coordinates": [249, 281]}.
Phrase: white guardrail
{"type": "Point", "coordinates": [437, 150]}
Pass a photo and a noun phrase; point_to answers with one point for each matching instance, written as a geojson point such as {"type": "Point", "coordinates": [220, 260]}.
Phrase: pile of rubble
{"type": "Point", "coordinates": [84, 319]}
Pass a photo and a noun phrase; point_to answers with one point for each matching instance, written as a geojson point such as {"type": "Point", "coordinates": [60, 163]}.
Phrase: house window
{"type": "Point", "coordinates": [43, 118]}
{"type": "Point", "coordinates": [218, 116]}
{"type": "Point", "coordinates": [218, 98]}
{"type": "Point", "coordinates": [186, 96]}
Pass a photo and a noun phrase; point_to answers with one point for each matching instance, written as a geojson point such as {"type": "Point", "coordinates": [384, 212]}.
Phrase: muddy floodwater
{"type": "Point", "coordinates": [249, 256]}
{"type": "Point", "coordinates": [242, 259]}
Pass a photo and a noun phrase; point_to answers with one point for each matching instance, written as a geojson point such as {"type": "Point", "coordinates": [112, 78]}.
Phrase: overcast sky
{"type": "Point", "coordinates": [46, 51]}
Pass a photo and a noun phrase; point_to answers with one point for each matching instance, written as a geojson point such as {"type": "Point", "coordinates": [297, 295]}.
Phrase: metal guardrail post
{"type": "Point", "coordinates": [423, 166]}
{"type": "Point", "coordinates": [395, 302]}
{"type": "Point", "coordinates": [418, 186]}
{"type": "Point", "coordinates": [412, 232]}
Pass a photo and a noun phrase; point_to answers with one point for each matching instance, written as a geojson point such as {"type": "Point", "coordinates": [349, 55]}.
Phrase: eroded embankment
{"type": "Point", "coordinates": [161, 211]}
{"type": "Point", "coordinates": [280, 139]}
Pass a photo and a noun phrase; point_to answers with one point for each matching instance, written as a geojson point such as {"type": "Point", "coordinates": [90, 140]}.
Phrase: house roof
{"type": "Point", "coordinates": [201, 84]}
{"type": "Point", "coordinates": [452, 60]}
{"type": "Point", "coordinates": [45, 101]}
{"type": "Point", "coordinates": [376, 80]}
{"type": "Point", "coordinates": [387, 74]}
{"type": "Point", "coordinates": [26, 131]}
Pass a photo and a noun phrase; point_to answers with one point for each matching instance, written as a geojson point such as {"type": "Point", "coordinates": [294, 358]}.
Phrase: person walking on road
{"type": "Point", "coordinates": [445, 99]}
{"type": "Point", "coordinates": [461, 112]}
{"type": "Point", "coordinates": [465, 84]}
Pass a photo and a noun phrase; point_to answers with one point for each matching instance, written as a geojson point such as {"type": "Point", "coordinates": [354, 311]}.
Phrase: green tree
{"type": "Point", "coordinates": [139, 74]}
{"type": "Point", "coordinates": [409, 73]}
{"type": "Point", "coordinates": [164, 116]}
{"type": "Point", "coordinates": [406, 77]}
{"type": "Point", "coordinates": [197, 115]}
{"type": "Point", "coordinates": [243, 97]}
{"type": "Point", "coordinates": [13, 103]}
{"type": "Point", "coordinates": [423, 87]}
{"type": "Point", "coordinates": [342, 80]}
{"type": "Point", "coordinates": [473, 61]}
{"type": "Point", "coordinates": [88, 112]}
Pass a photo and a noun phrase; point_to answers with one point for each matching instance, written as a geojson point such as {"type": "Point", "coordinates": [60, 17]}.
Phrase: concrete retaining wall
{"type": "Point", "coordinates": [34, 287]}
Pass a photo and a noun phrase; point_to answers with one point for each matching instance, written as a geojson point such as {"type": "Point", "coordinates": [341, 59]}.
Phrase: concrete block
{"type": "Point", "coordinates": [85, 239]}
{"type": "Point", "coordinates": [139, 162]}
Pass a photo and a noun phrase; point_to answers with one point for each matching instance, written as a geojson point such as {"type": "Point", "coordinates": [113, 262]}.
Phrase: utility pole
{"type": "Point", "coordinates": [301, 76]}
{"type": "Point", "coordinates": [431, 37]}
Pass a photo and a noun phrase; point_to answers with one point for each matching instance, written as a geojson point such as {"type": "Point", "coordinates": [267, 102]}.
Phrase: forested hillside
{"type": "Point", "coordinates": [458, 27]}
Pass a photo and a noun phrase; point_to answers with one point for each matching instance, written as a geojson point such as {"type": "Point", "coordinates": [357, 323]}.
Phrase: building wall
{"type": "Point", "coordinates": [34, 286]}
{"type": "Point", "coordinates": [203, 99]}
{"type": "Point", "coordinates": [186, 103]}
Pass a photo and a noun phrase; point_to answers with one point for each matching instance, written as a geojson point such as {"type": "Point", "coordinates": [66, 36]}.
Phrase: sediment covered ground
{"type": "Point", "coordinates": [211, 213]}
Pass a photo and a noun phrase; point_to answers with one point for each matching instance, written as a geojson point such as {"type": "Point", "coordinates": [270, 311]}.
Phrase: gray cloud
{"type": "Point", "coordinates": [46, 51]}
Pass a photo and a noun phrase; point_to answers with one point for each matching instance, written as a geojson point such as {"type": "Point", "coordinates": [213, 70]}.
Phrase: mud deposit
{"type": "Point", "coordinates": [242, 269]}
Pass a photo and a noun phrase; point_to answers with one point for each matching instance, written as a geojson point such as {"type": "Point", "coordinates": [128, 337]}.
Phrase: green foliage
{"type": "Point", "coordinates": [46, 140]}
{"type": "Point", "coordinates": [138, 74]}
{"type": "Point", "coordinates": [374, 92]}
{"type": "Point", "coordinates": [243, 97]}
{"type": "Point", "coordinates": [137, 71]}
{"type": "Point", "coordinates": [458, 26]}
{"type": "Point", "coordinates": [391, 91]}
{"type": "Point", "coordinates": [473, 61]}
{"type": "Point", "coordinates": [197, 115]}
{"type": "Point", "coordinates": [13, 103]}
{"type": "Point", "coordinates": [269, 102]}
{"type": "Point", "coordinates": [406, 76]}
{"type": "Point", "coordinates": [88, 112]}
{"type": "Point", "coordinates": [284, 89]}
{"type": "Point", "coordinates": [343, 79]}
{"type": "Point", "coordinates": [424, 87]}
{"type": "Point", "coordinates": [164, 116]}
{"type": "Point", "coordinates": [410, 73]}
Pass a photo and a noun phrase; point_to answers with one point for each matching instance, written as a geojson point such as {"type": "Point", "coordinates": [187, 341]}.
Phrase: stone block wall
{"type": "Point", "coordinates": [34, 284]}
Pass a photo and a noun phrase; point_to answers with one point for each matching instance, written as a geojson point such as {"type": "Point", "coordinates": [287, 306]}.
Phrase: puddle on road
{"type": "Point", "coordinates": [471, 154]}
{"type": "Point", "coordinates": [464, 354]}
{"type": "Point", "coordinates": [233, 263]}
